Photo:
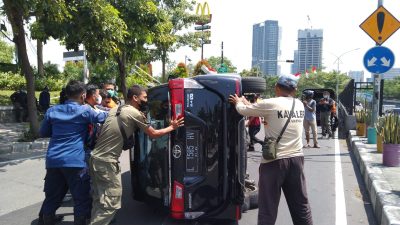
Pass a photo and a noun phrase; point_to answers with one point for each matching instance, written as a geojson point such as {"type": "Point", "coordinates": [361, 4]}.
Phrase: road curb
{"type": "Point", "coordinates": [385, 200]}
{"type": "Point", "coordinates": [12, 147]}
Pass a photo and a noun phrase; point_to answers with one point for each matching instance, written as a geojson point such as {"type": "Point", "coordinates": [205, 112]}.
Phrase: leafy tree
{"type": "Point", "coordinates": [103, 71]}
{"type": "Point", "coordinates": [171, 37]}
{"type": "Point", "coordinates": [197, 69]}
{"type": "Point", "coordinates": [6, 53]}
{"type": "Point", "coordinates": [17, 11]}
{"type": "Point", "coordinates": [271, 81]}
{"type": "Point", "coordinates": [73, 70]}
{"type": "Point", "coordinates": [391, 88]}
{"type": "Point", "coordinates": [253, 72]}
{"type": "Point", "coordinates": [323, 80]}
{"type": "Point", "coordinates": [143, 20]}
{"type": "Point", "coordinates": [180, 71]}
{"type": "Point", "coordinates": [95, 24]}
{"type": "Point", "coordinates": [215, 62]}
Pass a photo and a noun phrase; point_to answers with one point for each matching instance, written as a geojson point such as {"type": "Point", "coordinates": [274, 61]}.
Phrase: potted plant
{"type": "Point", "coordinates": [391, 139]}
{"type": "Point", "coordinates": [361, 123]}
{"type": "Point", "coordinates": [379, 126]}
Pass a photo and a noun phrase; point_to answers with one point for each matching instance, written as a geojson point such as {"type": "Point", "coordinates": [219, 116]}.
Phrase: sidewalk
{"type": "Point", "coordinates": [10, 147]}
{"type": "Point", "coordinates": [383, 183]}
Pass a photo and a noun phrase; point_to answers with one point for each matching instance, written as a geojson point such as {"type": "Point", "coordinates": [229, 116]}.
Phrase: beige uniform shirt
{"type": "Point", "coordinates": [276, 112]}
{"type": "Point", "coordinates": [109, 144]}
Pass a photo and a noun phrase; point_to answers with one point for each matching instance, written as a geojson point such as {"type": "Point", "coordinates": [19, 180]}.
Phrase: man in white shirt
{"type": "Point", "coordinates": [286, 171]}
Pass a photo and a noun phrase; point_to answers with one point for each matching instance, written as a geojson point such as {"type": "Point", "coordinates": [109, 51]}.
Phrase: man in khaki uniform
{"type": "Point", "coordinates": [286, 172]}
{"type": "Point", "coordinates": [104, 166]}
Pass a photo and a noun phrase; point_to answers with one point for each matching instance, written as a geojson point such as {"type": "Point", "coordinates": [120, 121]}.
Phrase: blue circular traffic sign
{"type": "Point", "coordinates": [378, 59]}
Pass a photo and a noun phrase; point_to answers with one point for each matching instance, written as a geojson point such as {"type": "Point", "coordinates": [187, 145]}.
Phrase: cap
{"type": "Point", "coordinates": [289, 81]}
{"type": "Point", "coordinates": [309, 93]}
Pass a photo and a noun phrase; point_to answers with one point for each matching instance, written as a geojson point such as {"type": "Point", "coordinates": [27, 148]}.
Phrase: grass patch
{"type": "Point", "coordinates": [5, 97]}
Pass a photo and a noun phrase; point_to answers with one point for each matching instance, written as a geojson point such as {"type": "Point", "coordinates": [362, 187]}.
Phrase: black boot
{"type": "Point", "coordinates": [80, 220]}
{"type": "Point", "coordinates": [57, 219]}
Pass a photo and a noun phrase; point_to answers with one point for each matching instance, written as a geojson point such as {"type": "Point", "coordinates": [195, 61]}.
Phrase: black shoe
{"type": "Point", "coordinates": [49, 220]}
{"type": "Point", "coordinates": [57, 219]}
{"type": "Point", "coordinates": [80, 220]}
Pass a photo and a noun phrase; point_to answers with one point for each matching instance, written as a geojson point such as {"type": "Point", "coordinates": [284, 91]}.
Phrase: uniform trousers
{"type": "Point", "coordinates": [107, 190]}
{"type": "Point", "coordinates": [56, 184]}
{"type": "Point", "coordinates": [286, 175]}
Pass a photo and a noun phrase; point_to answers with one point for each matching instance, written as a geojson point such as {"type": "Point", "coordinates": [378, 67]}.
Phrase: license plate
{"type": "Point", "coordinates": [192, 151]}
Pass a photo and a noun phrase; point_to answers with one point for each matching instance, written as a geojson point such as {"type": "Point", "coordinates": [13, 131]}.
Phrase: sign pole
{"type": "Point", "coordinates": [376, 94]}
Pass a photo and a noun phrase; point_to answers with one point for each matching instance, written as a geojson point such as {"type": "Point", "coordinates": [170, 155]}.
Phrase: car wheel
{"type": "Point", "coordinates": [253, 85]}
{"type": "Point", "coordinates": [246, 202]}
{"type": "Point", "coordinates": [252, 192]}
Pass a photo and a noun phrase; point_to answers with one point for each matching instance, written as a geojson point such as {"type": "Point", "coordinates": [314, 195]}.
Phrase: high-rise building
{"type": "Point", "coordinates": [266, 47]}
{"type": "Point", "coordinates": [309, 49]}
{"type": "Point", "coordinates": [391, 74]}
{"type": "Point", "coordinates": [358, 76]}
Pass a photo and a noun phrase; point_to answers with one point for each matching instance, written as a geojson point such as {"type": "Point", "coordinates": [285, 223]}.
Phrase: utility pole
{"type": "Point", "coordinates": [222, 53]}
{"type": "Point", "coordinates": [377, 89]}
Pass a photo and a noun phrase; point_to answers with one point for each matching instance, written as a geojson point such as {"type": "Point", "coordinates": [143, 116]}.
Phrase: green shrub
{"type": "Point", "coordinates": [14, 81]}
{"type": "Point", "coordinates": [11, 81]}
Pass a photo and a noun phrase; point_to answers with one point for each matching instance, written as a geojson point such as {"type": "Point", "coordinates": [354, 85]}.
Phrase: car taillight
{"type": "Point", "coordinates": [176, 87]}
{"type": "Point", "coordinates": [177, 203]}
{"type": "Point", "coordinates": [238, 213]}
{"type": "Point", "coordinates": [237, 85]}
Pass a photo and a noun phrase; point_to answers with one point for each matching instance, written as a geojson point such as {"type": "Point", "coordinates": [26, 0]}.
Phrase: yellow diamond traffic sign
{"type": "Point", "coordinates": [380, 25]}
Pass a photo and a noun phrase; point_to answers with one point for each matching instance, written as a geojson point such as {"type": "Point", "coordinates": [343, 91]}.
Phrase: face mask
{"type": "Point", "coordinates": [143, 107]}
{"type": "Point", "coordinates": [98, 100]}
{"type": "Point", "coordinates": [112, 93]}
{"type": "Point", "coordinates": [326, 96]}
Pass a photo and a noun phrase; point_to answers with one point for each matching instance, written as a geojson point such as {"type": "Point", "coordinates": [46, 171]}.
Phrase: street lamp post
{"type": "Point", "coordinates": [187, 59]}
{"type": "Point", "coordinates": [338, 71]}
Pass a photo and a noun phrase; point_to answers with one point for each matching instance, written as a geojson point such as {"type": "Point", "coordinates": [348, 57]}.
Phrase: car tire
{"type": "Point", "coordinates": [252, 192]}
{"type": "Point", "coordinates": [246, 202]}
{"type": "Point", "coordinates": [253, 85]}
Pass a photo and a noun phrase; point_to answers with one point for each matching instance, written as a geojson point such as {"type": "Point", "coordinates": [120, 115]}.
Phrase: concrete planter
{"type": "Point", "coordinates": [379, 143]}
{"type": "Point", "coordinates": [371, 135]}
{"type": "Point", "coordinates": [361, 129]}
{"type": "Point", "coordinates": [391, 155]}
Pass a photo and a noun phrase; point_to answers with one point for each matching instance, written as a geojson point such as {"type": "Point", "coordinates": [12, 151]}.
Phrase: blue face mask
{"type": "Point", "coordinates": [112, 93]}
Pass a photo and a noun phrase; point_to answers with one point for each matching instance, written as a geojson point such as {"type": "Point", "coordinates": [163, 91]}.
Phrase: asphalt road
{"type": "Point", "coordinates": [335, 188]}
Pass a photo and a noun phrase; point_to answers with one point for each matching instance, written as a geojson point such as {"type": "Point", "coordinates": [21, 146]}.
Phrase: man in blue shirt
{"type": "Point", "coordinates": [67, 127]}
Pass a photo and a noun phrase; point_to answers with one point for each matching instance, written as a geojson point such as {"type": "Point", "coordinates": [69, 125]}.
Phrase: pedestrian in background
{"type": "Point", "coordinates": [63, 96]}
{"type": "Point", "coordinates": [67, 126]}
{"type": "Point", "coordinates": [254, 124]}
{"type": "Point", "coordinates": [285, 170]}
{"type": "Point", "coordinates": [19, 100]}
{"type": "Point", "coordinates": [310, 118]}
{"type": "Point", "coordinates": [44, 99]}
{"type": "Point", "coordinates": [326, 104]}
{"type": "Point", "coordinates": [104, 164]}
{"type": "Point", "coordinates": [93, 99]}
{"type": "Point", "coordinates": [112, 94]}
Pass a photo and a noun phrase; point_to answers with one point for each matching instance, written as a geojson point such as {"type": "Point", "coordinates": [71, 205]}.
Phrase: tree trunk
{"type": "Point", "coordinates": [122, 73]}
{"type": "Point", "coordinates": [15, 16]}
{"type": "Point", "coordinates": [40, 58]}
{"type": "Point", "coordinates": [163, 60]}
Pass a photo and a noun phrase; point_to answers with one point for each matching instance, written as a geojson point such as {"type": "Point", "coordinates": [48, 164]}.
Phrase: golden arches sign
{"type": "Point", "coordinates": [202, 9]}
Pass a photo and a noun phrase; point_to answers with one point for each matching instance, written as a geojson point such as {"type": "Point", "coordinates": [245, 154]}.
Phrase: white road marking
{"type": "Point", "coordinates": [341, 216]}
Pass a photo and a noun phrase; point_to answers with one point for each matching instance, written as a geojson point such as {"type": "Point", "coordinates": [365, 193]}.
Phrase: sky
{"type": "Point", "coordinates": [232, 23]}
